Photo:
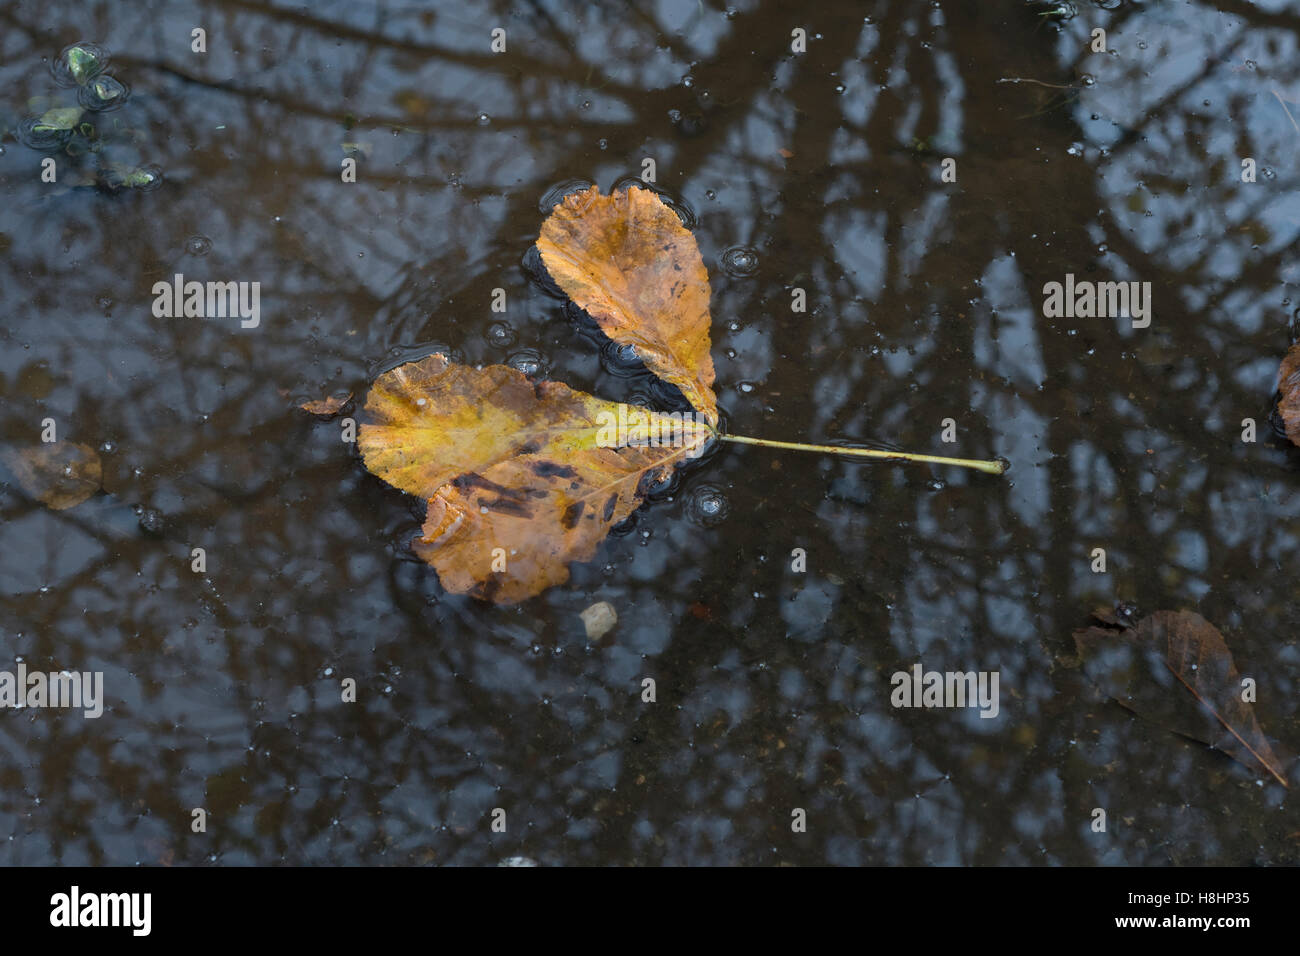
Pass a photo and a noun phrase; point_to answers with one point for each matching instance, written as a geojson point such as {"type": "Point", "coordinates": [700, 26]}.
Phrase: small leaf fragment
{"type": "Point", "coordinates": [59, 119]}
{"type": "Point", "coordinates": [57, 474]}
{"type": "Point", "coordinates": [326, 406]}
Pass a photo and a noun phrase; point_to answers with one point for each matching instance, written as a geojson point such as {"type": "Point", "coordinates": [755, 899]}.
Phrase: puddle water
{"type": "Point", "coordinates": [769, 595]}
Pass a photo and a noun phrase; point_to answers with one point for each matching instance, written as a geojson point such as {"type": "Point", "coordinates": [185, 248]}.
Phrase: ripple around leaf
{"type": "Point", "coordinates": [103, 94]}
{"type": "Point", "coordinates": [35, 135]}
{"type": "Point", "coordinates": [79, 63]}
{"type": "Point", "coordinates": [555, 195]}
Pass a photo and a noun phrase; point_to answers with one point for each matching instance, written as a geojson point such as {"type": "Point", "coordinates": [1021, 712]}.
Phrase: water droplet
{"type": "Point", "coordinates": [1087, 79]}
{"type": "Point", "coordinates": [740, 261]}
{"type": "Point", "coordinates": [108, 448]}
{"type": "Point", "coordinates": [688, 81]}
{"type": "Point", "coordinates": [710, 194]}
{"type": "Point", "coordinates": [199, 245]}
{"type": "Point", "coordinates": [745, 387]}
{"type": "Point", "coordinates": [1142, 44]}
{"type": "Point", "coordinates": [603, 143]}
{"type": "Point", "coordinates": [484, 119]}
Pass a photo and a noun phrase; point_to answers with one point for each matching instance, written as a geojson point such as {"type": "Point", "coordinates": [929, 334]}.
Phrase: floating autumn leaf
{"type": "Point", "coordinates": [521, 477]}
{"type": "Point", "coordinates": [325, 407]}
{"type": "Point", "coordinates": [630, 263]}
{"type": "Point", "coordinates": [1288, 401]}
{"type": "Point", "coordinates": [1175, 669]}
{"type": "Point", "coordinates": [58, 474]}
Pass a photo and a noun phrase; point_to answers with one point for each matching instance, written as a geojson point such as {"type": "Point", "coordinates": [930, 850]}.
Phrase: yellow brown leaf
{"type": "Point", "coordinates": [521, 477]}
{"type": "Point", "coordinates": [629, 262]}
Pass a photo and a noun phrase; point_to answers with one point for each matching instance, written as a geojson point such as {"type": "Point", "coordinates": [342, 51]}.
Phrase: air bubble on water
{"type": "Point", "coordinates": [500, 334]}
{"type": "Point", "coordinates": [729, 353]}
{"type": "Point", "coordinates": [1076, 149]}
{"type": "Point", "coordinates": [1142, 44]}
{"type": "Point", "coordinates": [528, 361]}
{"type": "Point", "coordinates": [1087, 79]}
{"type": "Point", "coordinates": [710, 194]}
{"type": "Point", "coordinates": [484, 119]}
{"type": "Point", "coordinates": [936, 484]}
{"type": "Point", "coordinates": [740, 261]}
{"type": "Point", "coordinates": [745, 387]}
{"type": "Point", "coordinates": [839, 87]}
{"type": "Point", "coordinates": [199, 245]}
{"type": "Point", "coordinates": [108, 448]}
{"type": "Point", "coordinates": [706, 506]}
{"type": "Point", "coordinates": [603, 143]}
{"type": "Point", "coordinates": [1269, 172]}
{"type": "Point", "coordinates": [688, 81]}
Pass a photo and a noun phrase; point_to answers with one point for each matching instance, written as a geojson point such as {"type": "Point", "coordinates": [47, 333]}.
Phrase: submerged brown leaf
{"type": "Point", "coordinates": [1175, 669]}
{"type": "Point", "coordinates": [521, 477]}
{"type": "Point", "coordinates": [630, 263]}
{"type": "Point", "coordinates": [58, 474]}
{"type": "Point", "coordinates": [1288, 387]}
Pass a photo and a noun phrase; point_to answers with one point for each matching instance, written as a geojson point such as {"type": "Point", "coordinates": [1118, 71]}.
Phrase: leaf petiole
{"type": "Point", "coordinates": [996, 467]}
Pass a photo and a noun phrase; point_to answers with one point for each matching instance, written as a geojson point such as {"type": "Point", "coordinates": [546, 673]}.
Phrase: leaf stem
{"type": "Point", "coordinates": [996, 467]}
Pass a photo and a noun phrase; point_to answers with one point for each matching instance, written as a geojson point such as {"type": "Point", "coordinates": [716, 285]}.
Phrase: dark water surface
{"type": "Point", "coordinates": [924, 303]}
